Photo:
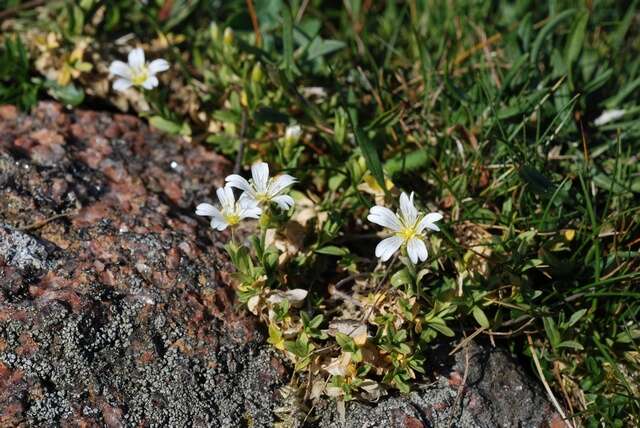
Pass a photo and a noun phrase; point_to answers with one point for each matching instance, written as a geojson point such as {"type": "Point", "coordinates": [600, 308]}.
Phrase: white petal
{"type": "Point", "coordinates": [417, 250]}
{"type": "Point", "coordinates": [122, 84]}
{"type": "Point", "coordinates": [279, 183]}
{"type": "Point", "coordinates": [158, 66]}
{"type": "Point", "coordinates": [234, 180]}
{"type": "Point", "coordinates": [119, 68]}
{"type": "Point", "coordinates": [407, 209]}
{"type": "Point", "coordinates": [136, 58]}
{"type": "Point", "coordinates": [248, 200]}
{"type": "Point", "coordinates": [384, 217]}
{"type": "Point", "coordinates": [387, 247]}
{"type": "Point", "coordinates": [284, 201]}
{"type": "Point", "coordinates": [207, 209]}
{"type": "Point", "coordinates": [253, 212]}
{"type": "Point", "coordinates": [150, 83]}
{"type": "Point", "coordinates": [428, 221]}
{"type": "Point", "coordinates": [218, 223]}
{"type": "Point", "coordinates": [260, 174]}
{"type": "Point", "coordinates": [226, 197]}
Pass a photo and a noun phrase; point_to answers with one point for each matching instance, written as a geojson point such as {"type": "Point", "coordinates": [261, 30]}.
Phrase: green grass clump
{"type": "Point", "coordinates": [489, 111]}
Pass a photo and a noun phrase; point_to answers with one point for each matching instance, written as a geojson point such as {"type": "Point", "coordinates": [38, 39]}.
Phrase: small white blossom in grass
{"type": "Point", "coordinates": [407, 227]}
{"type": "Point", "coordinates": [292, 134]}
{"type": "Point", "coordinates": [137, 72]}
{"type": "Point", "coordinates": [231, 212]}
{"type": "Point", "coordinates": [261, 188]}
{"type": "Point", "coordinates": [608, 116]}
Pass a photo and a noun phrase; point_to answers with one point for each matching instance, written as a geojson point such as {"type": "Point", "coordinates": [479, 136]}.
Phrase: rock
{"type": "Point", "coordinates": [22, 251]}
{"type": "Point", "coordinates": [103, 319]}
{"type": "Point", "coordinates": [497, 393]}
{"type": "Point", "coordinates": [114, 305]}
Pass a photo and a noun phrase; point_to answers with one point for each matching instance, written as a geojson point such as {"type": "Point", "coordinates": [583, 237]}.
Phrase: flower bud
{"type": "Point", "coordinates": [265, 219]}
{"type": "Point", "coordinates": [214, 32]}
{"type": "Point", "coordinates": [340, 126]}
{"type": "Point", "coordinates": [292, 134]}
{"type": "Point", "coordinates": [228, 36]}
{"type": "Point", "coordinates": [257, 74]}
{"type": "Point", "coordinates": [244, 99]}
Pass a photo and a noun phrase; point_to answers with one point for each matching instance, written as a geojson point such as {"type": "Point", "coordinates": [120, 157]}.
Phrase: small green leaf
{"type": "Point", "coordinates": [605, 182]}
{"type": "Point", "coordinates": [552, 331]}
{"type": "Point", "coordinates": [617, 99]}
{"type": "Point", "coordinates": [287, 42]}
{"type": "Point", "coordinates": [333, 250]}
{"type": "Point", "coordinates": [275, 336]}
{"type": "Point", "coordinates": [440, 326]}
{"type": "Point", "coordinates": [576, 317]}
{"type": "Point", "coordinates": [386, 119]}
{"type": "Point", "coordinates": [401, 384]}
{"type": "Point", "coordinates": [598, 81]}
{"type": "Point", "coordinates": [546, 31]}
{"type": "Point", "coordinates": [68, 95]}
{"type": "Point", "coordinates": [316, 321]}
{"type": "Point", "coordinates": [576, 37]}
{"type": "Point", "coordinates": [227, 116]}
{"type": "Point", "coordinates": [165, 125]}
{"type": "Point", "coordinates": [402, 277]}
{"type": "Point", "coordinates": [368, 151]}
{"type": "Point", "coordinates": [407, 162]}
{"type": "Point", "coordinates": [480, 317]}
{"type": "Point", "coordinates": [320, 47]}
{"type": "Point", "coordinates": [346, 342]}
{"type": "Point", "coordinates": [570, 344]}
{"type": "Point", "coordinates": [628, 336]}
{"type": "Point", "coordinates": [297, 348]}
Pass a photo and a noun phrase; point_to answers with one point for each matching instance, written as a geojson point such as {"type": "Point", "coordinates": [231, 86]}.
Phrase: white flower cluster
{"type": "Point", "coordinates": [258, 193]}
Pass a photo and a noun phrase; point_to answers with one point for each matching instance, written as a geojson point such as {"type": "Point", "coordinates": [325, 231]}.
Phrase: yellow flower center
{"type": "Point", "coordinates": [406, 233]}
{"type": "Point", "coordinates": [262, 197]}
{"type": "Point", "coordinates": [232, 219]}
{"type": "Point", "coordinates": [139, 76]}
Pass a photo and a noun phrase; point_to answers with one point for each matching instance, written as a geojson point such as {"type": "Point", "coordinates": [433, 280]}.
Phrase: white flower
{"type": "Point", "coordinates": [292, 133]}
{"type": "Point", "coordinates": [261, 189]}
{"type": "Point", "coordinates": [230, 212]}
{"type": "Point", "coordinates": [608, 116]}
{"type": "Point", "coordinates": [137, 72]}
{"type": "Point", "coordinates": [408, 227]}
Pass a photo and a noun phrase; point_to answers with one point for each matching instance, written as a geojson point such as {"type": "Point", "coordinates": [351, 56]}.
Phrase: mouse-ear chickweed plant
{"type": "Point", "coordinates": [343, 359]}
